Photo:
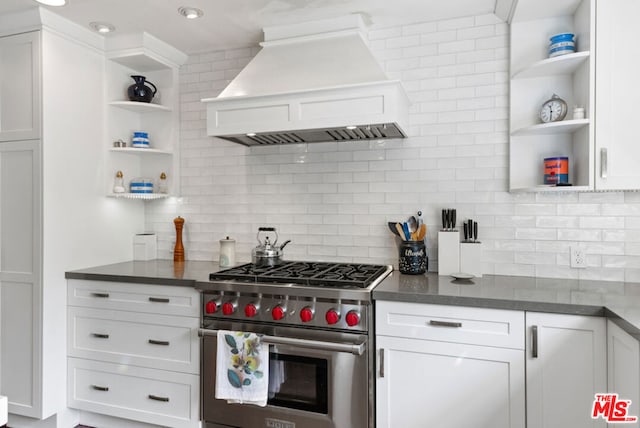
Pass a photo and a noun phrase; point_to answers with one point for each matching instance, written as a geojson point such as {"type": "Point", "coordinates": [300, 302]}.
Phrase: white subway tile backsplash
{"type": "Point", "coordinates": [334, 199]}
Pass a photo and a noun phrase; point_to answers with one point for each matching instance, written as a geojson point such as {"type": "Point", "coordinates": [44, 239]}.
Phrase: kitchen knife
{"type": "Point", "coordinates": [444, 219]}
{"type": "Point", "coordinates": [466, 232]}
{"type": "Point", "coordinates": [453, 219]}
{"type": "Point", "coordinates": [470, 227]}
{"type": "Point", "coordinates": [475, 231]}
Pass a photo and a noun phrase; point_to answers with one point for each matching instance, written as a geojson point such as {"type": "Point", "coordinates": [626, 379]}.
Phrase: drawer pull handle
{"type": "Point", "coordinates": [100, 335]}
{"type": "Point", "coordinates": [159, 342]}
{"type": "Point", "coordinates": [159, 299]}
{"type": "Point", "coordinates": [445, 323]}
{"type": "Point", "coordinates": [101, 295]}
{"type": "Point", "coordinates": [381, 362]}
{"type": "Point", "coordinates": [157, 398]}
{"type": "Point", "coordinates": [534, 341]}
{"type": "Point", "coordinates": [100, 388]}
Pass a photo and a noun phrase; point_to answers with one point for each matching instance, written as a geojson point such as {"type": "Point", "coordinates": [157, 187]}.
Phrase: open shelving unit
{"type": "Point", "coordinates": [142, 54]}
{"type": "Point", "coordinates": [536, 78]}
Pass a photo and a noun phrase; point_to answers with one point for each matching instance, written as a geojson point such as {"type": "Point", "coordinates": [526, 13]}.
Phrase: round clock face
{"type": "Point", "coordinates": [553, 110]}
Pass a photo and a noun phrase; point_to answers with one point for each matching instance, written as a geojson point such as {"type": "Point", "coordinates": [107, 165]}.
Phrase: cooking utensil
{"type": "Point", "coordinates": [412, 223]}
{"type": "Point", "coordinates": [267, 253]}
{"type": "Point", "coordinates": [405, 229]}
{"type": "Point", "coordinates": [475, 231]}
{"type": "Point", "coordinates": [400, 232]}
{"type": "Point", "coordinates": [422, 232]}
{"type": "Point", "coordinates": [392, 228]}
{"type": "Point", "coordinates": [419, 218]}
{"type": "Point", "coordinates": [465, 227]}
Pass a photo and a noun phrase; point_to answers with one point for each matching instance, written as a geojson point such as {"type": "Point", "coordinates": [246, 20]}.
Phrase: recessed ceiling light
{"type": "Point", "coordinates": [53, 2]}
{"type": "Point", "coordinates": [102, 27]}
{"type": "Point", "coordinates": [190, 12]}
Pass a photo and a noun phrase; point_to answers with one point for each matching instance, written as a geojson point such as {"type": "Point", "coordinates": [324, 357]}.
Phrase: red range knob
{"type": "Point", "coordinates": [352, 318]}
{"type": "Point", "coordinates": [210, 307]}
{"type": "Point", "coordinates": [228, 308]}
{"type": "Point", "coordinates": [306, 314]}
{"type": "Point", "coordinates": [332, 316]}
{"type": "Point", "coordinates": [250, 310]}
{"type": "Point", "coordinates": [277, 313]}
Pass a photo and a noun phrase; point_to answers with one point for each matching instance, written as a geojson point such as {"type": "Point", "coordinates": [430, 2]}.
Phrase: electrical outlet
{"type": "Point", "coordinates": [578, 258]}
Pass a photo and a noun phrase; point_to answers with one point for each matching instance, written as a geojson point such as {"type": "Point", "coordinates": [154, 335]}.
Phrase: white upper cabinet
{"type": "Point", "coordinates": [617, 94]}
{"type": "Point", "coordinates": [143, 55]}
{"type": "Point", "coordinates": [20, 87]}
{"type": "Point", "coordinates": [535, 78]}
{"type": "Point", "coordinates": [603, 148]}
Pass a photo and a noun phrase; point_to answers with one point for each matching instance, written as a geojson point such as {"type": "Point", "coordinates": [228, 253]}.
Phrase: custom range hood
{"type": "Point", "coordinates": [311, 82]}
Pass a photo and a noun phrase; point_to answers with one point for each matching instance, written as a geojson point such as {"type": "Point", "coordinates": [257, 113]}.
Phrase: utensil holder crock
{"type": "Point", "coordinates": [412, 257]}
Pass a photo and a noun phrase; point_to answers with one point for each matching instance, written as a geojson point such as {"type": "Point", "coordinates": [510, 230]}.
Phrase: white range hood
{"type": "Point", "coordinates": [311, 82]}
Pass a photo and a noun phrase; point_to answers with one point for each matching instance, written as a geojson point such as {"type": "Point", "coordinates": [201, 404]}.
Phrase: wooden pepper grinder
{"type": "Point", "coordinates": [178, 251]}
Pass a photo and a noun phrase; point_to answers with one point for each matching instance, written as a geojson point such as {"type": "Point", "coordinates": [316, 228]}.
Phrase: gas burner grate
{"type": "Point", "coordinates": [320, 274]}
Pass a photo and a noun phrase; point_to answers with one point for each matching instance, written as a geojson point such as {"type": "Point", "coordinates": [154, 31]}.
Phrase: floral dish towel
{"type": "Point", "coordinates": [242, 368]}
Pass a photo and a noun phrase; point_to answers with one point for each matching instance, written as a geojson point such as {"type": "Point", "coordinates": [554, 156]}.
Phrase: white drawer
{"type": "Point", "coordinates": [475, 326]}
{"type": "Point", "coordinates": [156, 299]}
{"type": "Point", "coordinates": [157, 341]}
{"type": "Point", "coordinates": [154, 396]}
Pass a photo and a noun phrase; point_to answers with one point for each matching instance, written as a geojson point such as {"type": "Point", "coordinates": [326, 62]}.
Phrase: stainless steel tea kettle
{"type": "Point", "coordinates": [267, 253]}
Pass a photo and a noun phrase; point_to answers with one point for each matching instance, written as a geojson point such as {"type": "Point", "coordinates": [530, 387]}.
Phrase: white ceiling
{"type": "Point", "coordinates": [238, 23]}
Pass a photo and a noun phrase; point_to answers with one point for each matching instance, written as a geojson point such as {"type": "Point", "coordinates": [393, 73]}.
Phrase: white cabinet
{"type": "Point", "coordinates": [566, 367]}
{"type": "Point", "coordinates": [20, 87]}
{"type": "Point", "coordinates": [20, 283]}
{"type": "Point", "coordinates": [535, 78]}
{"type": "Point", "coordinates": [602, 148]}
{"type": "Point", "coordinates": [623, 368]}
{"type": "Point", "coordinates": [450, 367]}
{"type": "Point", "coordinates": [159, 64]}
{"type": "Point", "coordinates": [128, 358]}
{"type": "Point", "coordinates": [617, 92]}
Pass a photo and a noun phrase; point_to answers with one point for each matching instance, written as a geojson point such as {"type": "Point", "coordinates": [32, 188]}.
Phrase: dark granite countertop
{"type": "Point", "coordinates": [619, 301]}
{"type": "Point", "coordinates": [160, 272]}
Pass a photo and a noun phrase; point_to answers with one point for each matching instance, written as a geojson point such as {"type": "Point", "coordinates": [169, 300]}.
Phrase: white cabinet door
{"type": "Point", "coordinates": [623, 368]}
{"type": "Point", "coordinates": [617, 93]}
{"type": "Point", "coordinates": [20, 87]}
{"type": "Point", "coordinates": [566, 367]}
{"type": "Point", "coordinates": [20, 234]}
{"type": "Point", "coordinates": [424, 383]}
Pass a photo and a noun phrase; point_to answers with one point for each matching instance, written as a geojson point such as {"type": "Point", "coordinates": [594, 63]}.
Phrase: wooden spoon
{"type": "Point", "coordinates": [422, 232]}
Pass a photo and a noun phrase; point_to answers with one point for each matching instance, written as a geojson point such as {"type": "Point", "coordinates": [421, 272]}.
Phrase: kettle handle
{"type": "Point", "coordinates": [267, 229]}
{"type": "Point", "coordinates": [154, 87]}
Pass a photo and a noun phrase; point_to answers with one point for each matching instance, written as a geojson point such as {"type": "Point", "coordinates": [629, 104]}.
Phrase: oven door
{"type": "Point", "coordinates": [317, 379]}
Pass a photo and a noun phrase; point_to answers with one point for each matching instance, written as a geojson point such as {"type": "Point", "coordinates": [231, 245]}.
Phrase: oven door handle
{"type": "Point", "coordinates": [352, 348]}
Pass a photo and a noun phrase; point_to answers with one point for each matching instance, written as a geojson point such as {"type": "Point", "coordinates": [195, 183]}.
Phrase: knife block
{"type": "Point", "coordinates": [471, 258]}
{"type": "Point", "coordinates": [448, 252]}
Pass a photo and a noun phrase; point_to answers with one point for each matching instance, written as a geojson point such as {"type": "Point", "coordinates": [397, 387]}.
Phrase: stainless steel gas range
{"type": "Point", "coordinates": [318, 321]}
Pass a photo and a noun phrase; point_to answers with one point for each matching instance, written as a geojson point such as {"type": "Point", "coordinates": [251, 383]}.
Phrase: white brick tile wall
{"type": "Point", "coordinates": [334, 200]}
